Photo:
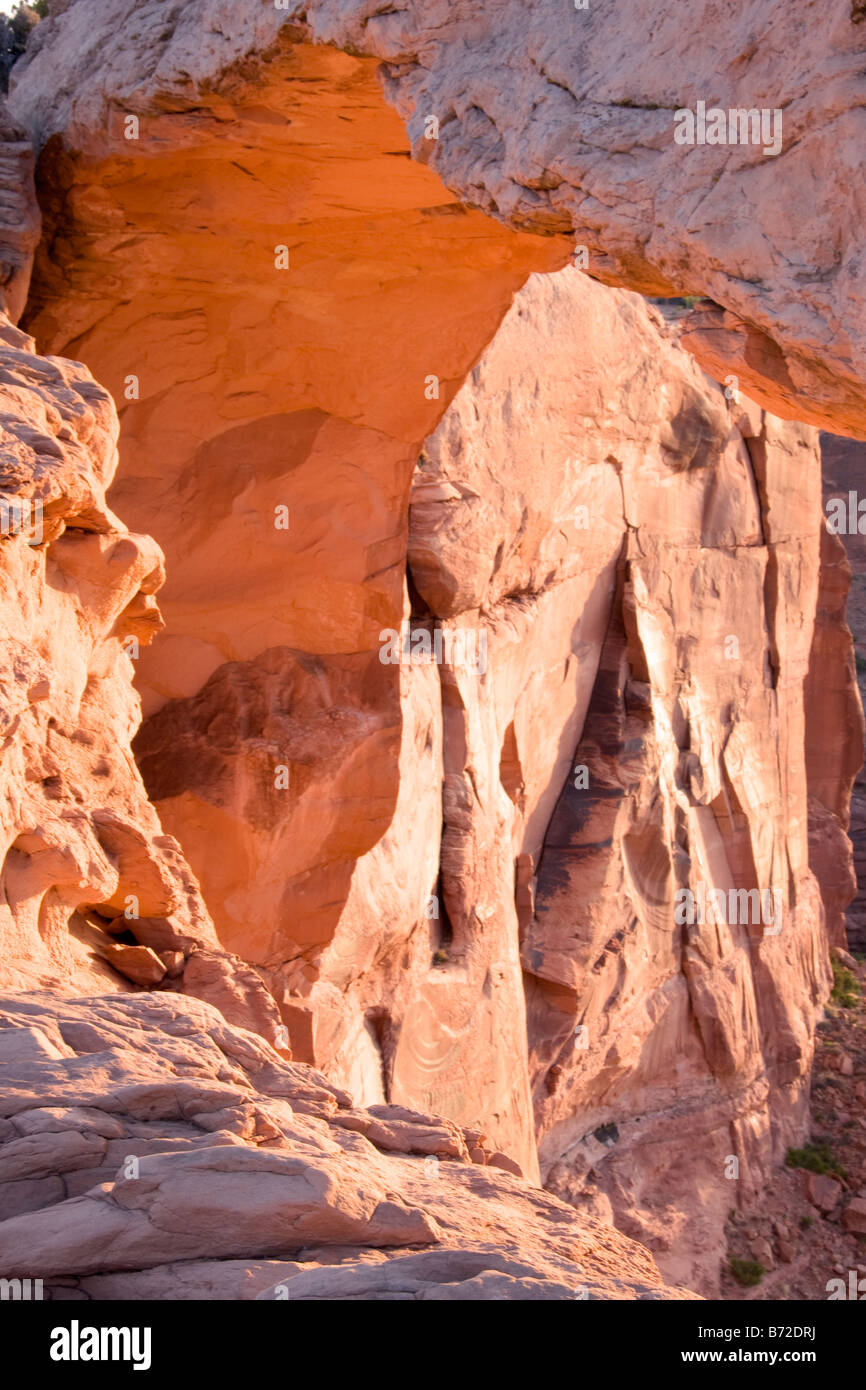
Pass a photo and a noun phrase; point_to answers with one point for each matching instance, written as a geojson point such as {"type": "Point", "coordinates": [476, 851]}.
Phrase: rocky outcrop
{"type": "Point", "coordinates": [275, 1171]}
{"type": "Point", "coordinates": [78, 591]}
{"type": "Point", "coordinates": [94, 893]}
{"type": "Point", "coordinates": [255, 408]}
{"type": "Point", "coordinates": [834, 741]}
{"type": "Point", "coordinates": [589, 527]}
{"type": "Point", "coordinates": [150, 1150]}
{"type": "Point", "coordinates": [20, 222]}
{"type": "Point", "coordinates": [568, 122]}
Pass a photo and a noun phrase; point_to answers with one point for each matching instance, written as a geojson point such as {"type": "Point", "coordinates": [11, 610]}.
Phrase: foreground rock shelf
{"type": "Point", "coordinates": [148, 1149]}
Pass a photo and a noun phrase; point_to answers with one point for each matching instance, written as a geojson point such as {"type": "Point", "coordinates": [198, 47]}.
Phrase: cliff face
{"type": "Point", "coordinates": [845, 532]}
{"type": "Point", "coordinates": [644, 558]}
{"type": "Point", "coordinates": [79, 831]}
{"type": "Point", "coordinates": [94, 893]}
{"type": "Point", "coordinates": [505, 712]}
{"type": "Point", "coordinates": [275, 422]}
{"type": "Point", "coordinates": [139, 1110]}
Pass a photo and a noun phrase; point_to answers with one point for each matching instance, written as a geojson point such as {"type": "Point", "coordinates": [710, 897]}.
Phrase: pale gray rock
{"type": "Point", "coordinates": [131, 1194]}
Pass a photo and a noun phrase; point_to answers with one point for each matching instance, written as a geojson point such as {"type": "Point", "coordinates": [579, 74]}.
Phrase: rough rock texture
{"type": "Point", "coordinates": [563, 120]}
{"type": "Point", "coordinates": [150, 1150]}
{"type": "Point", "coordinates": [264, 390]}
{"type": "Point", "coordinates": [645, 556]}
{"type": "Point", "coordinates": [834, 741]}
{"type": "Point", "coordinates": [843, 473]}
{"type": "Point", "coordinates": [804, 1239]}
{"type": "Point", "coordinates": [84, 857]}
{"type": "Point", "coordinates": [20, 222]}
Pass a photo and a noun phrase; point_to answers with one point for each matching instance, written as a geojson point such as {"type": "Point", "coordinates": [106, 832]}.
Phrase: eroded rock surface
{"type": "Point", "coordinates": [93, 890]}
{"type": "Point", "coordinates": [271, 420]}
{"type": "Point", "coordinates": [844, 492]}
{"type": "Point", "coordinates": [150, 1150]}
{"type": "Point", "coordinates": [563, 120]}
{"type": "Point", "coordinates": [589, 469]}
{"type": "Point", "coordinates": [20, 222]}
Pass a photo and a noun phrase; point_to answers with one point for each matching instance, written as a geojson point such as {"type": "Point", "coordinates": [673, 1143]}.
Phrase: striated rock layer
{"type": "Point", "coordinates": [149, 1150]}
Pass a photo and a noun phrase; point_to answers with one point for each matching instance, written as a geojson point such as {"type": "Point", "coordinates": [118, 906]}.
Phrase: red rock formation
{"type": "Point", "coordinates": [79, 832]}
{"type": "Point", "coordinates": [454, 910]}
{"type": "Point", "coordinates": [686, 599]}
{"type": "Point", "coordinates": [85, 859]}
{"type": "Point", "coordinates": [568, 123]}
{"type": "Point", "coordinates": [182, 1110]}
{"type": "Point", "coordinates": [272, 717]}
{"type": "Point", "coordinates": [843, 461]}
{"type": "Point", "coordinates": [262, 391]}
{"type": "Point", "coordinates": [834, 740]}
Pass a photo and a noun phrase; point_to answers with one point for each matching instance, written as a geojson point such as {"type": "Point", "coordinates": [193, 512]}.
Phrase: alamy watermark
{"type": "Point", "coordinates": [458, 647]}
{"type": "Point", "coordinates": [21, 1290]}
{"type": "Point", "coordinates": [77, 1343]}
{"type": "Point", "coordinates": [846, 518]}
{"type": "Point", "coordinates": [738, 126]}
{"type": "Point", "coordinates": [21, 516]}
{"type": "Point", "coordinates": [734, 907]}
{"type": "Point", "coordinates": [854, 1291]}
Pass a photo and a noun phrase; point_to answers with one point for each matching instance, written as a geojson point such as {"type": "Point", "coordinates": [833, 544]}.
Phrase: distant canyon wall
{"type": "Point", "coordinates": [844, 492]}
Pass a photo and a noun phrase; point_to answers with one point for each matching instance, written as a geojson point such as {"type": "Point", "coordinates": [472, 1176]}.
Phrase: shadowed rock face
{"type": "Point", "coordinates": [19, 215]}
{"type": "Point", "coordinates": [459, 875]}
{"type": "Point", "coordinates": [843, 463]}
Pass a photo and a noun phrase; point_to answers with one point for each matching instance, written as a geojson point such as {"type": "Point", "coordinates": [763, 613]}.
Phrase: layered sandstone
{"type": "Point", "coordinates": [149, 1150]}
